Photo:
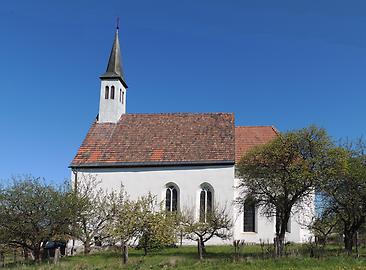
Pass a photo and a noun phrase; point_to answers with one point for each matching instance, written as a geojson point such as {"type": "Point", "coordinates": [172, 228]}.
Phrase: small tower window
{"type": "Point", "coordinates": [120, 95]}
{"type": "Point", "coordinates": [123, 96]}
{"type": "Point", "coordinates": [112, 92]}
{"type": "Point", "coordinates": [106, 94]}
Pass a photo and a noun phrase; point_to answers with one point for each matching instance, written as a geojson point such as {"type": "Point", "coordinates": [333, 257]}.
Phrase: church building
{"type": "Point", "coordinates": [186, 159]}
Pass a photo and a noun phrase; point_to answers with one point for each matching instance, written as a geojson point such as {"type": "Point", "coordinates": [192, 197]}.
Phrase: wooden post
{"type": "Point", "coordinates": [2, 259]}
{"type": "Point", "coordinates": [14, 256]}
{"type": "Point", "coordinates": [57, 256]}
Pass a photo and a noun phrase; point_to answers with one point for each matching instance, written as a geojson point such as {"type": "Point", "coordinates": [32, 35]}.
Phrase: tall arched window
{"type": "Point", "coordinates": [112, 92]}
{"type": "Point", "coordinates": [120, 95]}
{"type": "Point", "coordinates": [249, 215]}
{"type": "Point", "coordinates": [123, 96]}
{"type": "Point", "coordinates": [171, 198]}
{"type": "Point", "coordinates": [106, 92]}
{"type": "Point", "coordinates": [206, 202]}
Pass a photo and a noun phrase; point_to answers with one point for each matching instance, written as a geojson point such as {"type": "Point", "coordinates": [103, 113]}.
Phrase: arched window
{"type": "Point", "coordinates": [112, 92]}
{"type": "Point", "coordinates": [106, 93]}
{"type": "Point", "coordinates": [206, 202]}
{"type": "Point", "coordinates": [120, 95]}
{"type": "Point", "coordinates": [123, 96]}
{"type": "Point", "coordinates": [171, 198]}
{"type": "Point", "coordinates": [249, 215]}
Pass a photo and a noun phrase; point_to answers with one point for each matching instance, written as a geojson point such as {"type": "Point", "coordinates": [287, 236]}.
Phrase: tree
{"type": "Point", "coordinates": [143, 221]}
{"type": "Point", "coordinates": [218, 224]}
{"type": "Point", "coordinates": [281, 175]}
{"type": "Point", "coordinates": [95, 208]}
{"type": "Point", "coordinates": [32, 212]}
{"type": "Point", "coordinates": [322, 226]}
{"type": "Point", "coordinates": [158, 228]}
{"type": "Point", "coordinates": [126, 223]}
{"type": "Point", "coordinates": [345, 195]}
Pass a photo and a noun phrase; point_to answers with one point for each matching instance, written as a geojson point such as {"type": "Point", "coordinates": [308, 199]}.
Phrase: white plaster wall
{"type": "Point", "coordinates": [266, 227]}
{"type": "Point", "coordinates": [110, 110]}
{"type": "Point", "coordinates": [139, 181]}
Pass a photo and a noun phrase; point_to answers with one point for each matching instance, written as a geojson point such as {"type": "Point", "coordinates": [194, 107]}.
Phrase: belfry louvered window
{"type": "Point", "coordinates": [106, 92]}
{"type": "Point", "coordinates": [112, 92]}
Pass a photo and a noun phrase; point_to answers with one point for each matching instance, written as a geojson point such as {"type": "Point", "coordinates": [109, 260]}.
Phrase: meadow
{"type": "Point", "coordinates": [217, 257]}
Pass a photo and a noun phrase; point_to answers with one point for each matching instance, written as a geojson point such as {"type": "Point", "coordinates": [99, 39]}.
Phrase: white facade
{"type": "Point", "coordinates": [111, 106]}
{"type": "Point", "coordinates": [189, 181]}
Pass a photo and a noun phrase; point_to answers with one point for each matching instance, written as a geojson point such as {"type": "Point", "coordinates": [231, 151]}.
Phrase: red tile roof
{"type": "Point", "coordinates": [159, 139]}
{"type": "Point", "coordinates": [248, 137]}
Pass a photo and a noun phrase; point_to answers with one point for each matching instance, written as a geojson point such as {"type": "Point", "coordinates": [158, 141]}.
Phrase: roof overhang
{"type": "Point", "coordinates": [151, 164]}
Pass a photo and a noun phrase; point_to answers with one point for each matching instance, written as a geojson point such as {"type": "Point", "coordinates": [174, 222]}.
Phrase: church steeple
{"type": "Point", "coordinates": [114, 68]}
{"type": "Point", "coordinates": [113, 87]}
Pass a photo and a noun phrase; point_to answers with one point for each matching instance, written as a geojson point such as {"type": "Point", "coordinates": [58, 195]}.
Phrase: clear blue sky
{"type": "Point", "coordinates": [282, 63]}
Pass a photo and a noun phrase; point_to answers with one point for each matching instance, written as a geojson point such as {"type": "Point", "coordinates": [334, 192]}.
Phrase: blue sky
{"type": "Point", "coordinates": [282, 63]}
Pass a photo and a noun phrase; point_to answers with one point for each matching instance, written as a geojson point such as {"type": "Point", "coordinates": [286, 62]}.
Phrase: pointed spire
{"type": "Point", "coordinates": [114, 68]}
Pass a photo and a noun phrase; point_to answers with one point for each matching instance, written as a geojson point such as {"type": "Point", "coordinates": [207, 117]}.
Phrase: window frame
{"type": "Point", "coordinates": [173, 192]}
{"type": "Point", "coordinates": [206, 202]}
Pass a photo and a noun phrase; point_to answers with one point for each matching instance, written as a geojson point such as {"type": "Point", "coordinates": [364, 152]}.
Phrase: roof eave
{"type": "Point", "coordinates": [151, 164]}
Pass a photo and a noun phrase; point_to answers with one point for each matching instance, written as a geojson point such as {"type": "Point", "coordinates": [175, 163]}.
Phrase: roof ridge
{"type": "Point", "coordinates": [180, 113]}
{"type": "Point", "coordinates": [271, 126]}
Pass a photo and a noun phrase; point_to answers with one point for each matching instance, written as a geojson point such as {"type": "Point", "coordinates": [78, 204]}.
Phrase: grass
{"type": "Point", "coordinates": [218, 257]}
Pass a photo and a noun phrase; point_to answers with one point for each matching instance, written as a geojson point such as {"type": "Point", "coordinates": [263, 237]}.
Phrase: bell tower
{"type": "Point", "coordinates": [113, 87]}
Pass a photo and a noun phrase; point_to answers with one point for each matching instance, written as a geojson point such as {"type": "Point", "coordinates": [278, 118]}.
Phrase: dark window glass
{"type": "Point", "coordinates": [120, 95]}
{"type": "Point", "coordinates": [123, 96]}
{"type": "Point", "coordinates": [175, 200]}
{"type": "Point", "coordinates": [112, 92]}
{"type": "Point", "coordinates": [106, 93]}
{"type": "Point", "coordinates": [209, 201]}
{"type": "Point", "coordinates": [168, 199]}
{"type": "Point", "coordinates": [249, 216]}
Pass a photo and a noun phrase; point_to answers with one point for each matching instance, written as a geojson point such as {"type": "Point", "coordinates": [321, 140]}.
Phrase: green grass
{"type": "Point", "coordinates": [218, 257]}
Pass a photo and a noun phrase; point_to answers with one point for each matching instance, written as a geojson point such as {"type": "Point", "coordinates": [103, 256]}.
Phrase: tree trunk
{"type": "Point", "coordinates": [200, 251]}
{"type": "Point", "coordinates": [86, 247]}
{"type": "Point", "coordinates": [37, 253]}
{"type": "Point", "coordinates": [348, 241]}
{"type": "Point", "coordinates": [124, 253]}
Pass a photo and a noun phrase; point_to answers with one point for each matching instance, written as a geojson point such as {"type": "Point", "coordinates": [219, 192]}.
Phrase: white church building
{"type": "Point", "coordinates": [186, 159]}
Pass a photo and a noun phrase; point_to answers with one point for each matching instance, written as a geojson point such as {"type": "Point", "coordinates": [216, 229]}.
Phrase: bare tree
{"type": "Point", "coordinates": [96, 207]}
{"type": "Point", "coordinates": [218, 224]}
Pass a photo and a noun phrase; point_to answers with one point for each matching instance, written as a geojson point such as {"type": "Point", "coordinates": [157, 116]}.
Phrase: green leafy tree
{"type": "Point", "coordinates": [32, 212]}
{"type": "Point", "coordinates": [281, 176]}
{"type": "Point", "coordinates": [345, 195]}
{"type": "Point", "coordinates": [158, 227]}
{"type": "Point", "coordinates": [218, 224]}
{"type": "Point", "coordinates": [143, 221]}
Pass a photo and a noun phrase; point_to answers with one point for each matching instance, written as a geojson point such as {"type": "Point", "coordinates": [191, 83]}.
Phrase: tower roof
{"type": "Point", "coordinates": [114, 68]}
